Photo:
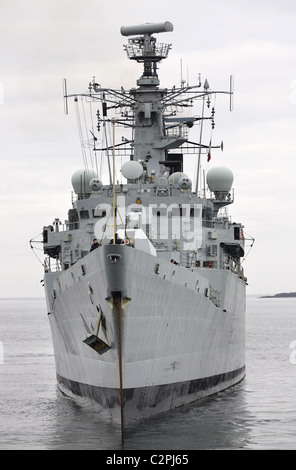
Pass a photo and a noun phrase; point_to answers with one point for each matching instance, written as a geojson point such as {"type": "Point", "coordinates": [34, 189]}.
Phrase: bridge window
{"type": "Point", "coordinates": [83, 214]}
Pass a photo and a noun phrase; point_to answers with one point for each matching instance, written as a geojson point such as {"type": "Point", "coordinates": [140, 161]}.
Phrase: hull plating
{"type": "Point", "coordinates": [176, 345]}
{"type": "Point", "coordinates": [157, 398]}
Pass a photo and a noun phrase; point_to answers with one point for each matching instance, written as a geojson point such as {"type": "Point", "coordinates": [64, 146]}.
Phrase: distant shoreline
{"type": "Point", "coordinates": [281, 295]}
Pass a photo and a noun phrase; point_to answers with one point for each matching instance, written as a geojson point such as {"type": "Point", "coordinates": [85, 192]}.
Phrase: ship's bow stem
{"type": "Point", "coordinates": [117, 307]}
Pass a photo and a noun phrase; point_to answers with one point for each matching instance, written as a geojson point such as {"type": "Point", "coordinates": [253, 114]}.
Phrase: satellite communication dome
{"type": "Point", "coordinates": [219, 181]}
{"type": "Point", "coordinates": [132, 170]}
{"type": "Point", "coordinates": [95, 184]}
{"type": "Point", "coordinates": [174, 178]}
{"type": "Point", "coordinates": [80, 181]}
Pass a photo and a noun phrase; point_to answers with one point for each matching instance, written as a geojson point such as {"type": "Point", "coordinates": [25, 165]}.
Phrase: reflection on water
{"type": "Point", "coordinates": [218, 422]}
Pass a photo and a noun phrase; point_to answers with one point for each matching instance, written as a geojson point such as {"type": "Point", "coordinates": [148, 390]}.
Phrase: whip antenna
{"type": "Point", "coordinates": [231, 88]}
{"type": "Point", "coordinates": [65, 96]}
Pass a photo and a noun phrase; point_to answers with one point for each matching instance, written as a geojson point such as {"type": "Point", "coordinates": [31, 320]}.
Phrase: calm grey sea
{"type": "Point", "coordinates": [259, 413]}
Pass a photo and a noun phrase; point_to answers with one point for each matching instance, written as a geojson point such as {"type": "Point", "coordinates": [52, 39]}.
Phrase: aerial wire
{"type": "Point", "coordinates": [86, 133]}
{"type": "Point", "coordinates": [93, 132]}
{"type": "Point", "coordinates": [80, 133]}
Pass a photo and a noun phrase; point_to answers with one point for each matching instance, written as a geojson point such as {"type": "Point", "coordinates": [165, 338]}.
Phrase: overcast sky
{"type": "Point", "coordinates": [43, 41]}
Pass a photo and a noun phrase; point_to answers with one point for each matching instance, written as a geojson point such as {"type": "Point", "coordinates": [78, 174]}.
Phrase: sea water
{"type": "Point", "coordinates": [258, 413]}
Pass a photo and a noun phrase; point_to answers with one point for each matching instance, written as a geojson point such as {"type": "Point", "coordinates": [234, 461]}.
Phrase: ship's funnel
{"type": "Point", "coordinates": [219, 181]}
{"type": "Point", "coordinates": [147, 28]}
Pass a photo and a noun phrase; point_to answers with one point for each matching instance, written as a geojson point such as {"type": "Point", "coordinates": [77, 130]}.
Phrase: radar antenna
{"type": "Point", "coordinates": [144, 48]}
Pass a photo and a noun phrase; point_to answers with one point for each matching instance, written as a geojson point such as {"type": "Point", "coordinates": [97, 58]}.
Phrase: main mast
{"type": "Point", "coordinates": [160, 135]}
{"type": "Point", "coordinates": [150, 140]}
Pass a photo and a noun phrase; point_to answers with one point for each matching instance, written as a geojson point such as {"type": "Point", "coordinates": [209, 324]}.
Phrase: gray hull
{"type": "Point", "coordinates": [167, 343]}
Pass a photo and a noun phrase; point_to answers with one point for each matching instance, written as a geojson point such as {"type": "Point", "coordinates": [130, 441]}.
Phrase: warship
{"type": "Point", "coordinates": [144, 282]}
